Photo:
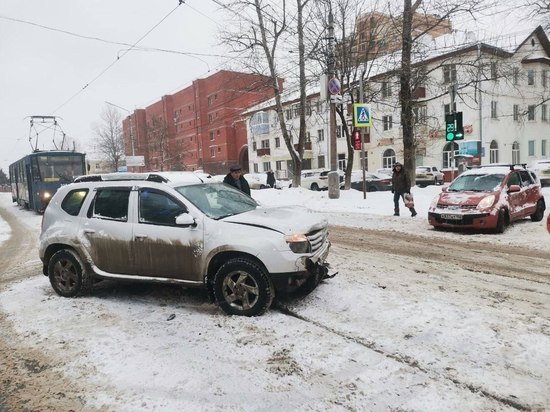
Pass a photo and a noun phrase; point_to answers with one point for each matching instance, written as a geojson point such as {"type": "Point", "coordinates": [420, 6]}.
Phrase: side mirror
{"type": "Point", "coordinates": [514, 189]}
{"type": "Point", "coordinates": [185, 219]}
{"type": "Point", "coordinates": [445, 189]}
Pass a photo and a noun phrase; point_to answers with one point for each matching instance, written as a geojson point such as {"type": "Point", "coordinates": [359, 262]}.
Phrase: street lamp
{"type": "Point", "coordinates": [130, 116]}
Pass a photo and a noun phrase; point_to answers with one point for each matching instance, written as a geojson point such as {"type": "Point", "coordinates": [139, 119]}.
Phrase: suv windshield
{"type": "Point", "coordinates": [217, 200]}
{"type": "Point", "coordinates": [477, 183]}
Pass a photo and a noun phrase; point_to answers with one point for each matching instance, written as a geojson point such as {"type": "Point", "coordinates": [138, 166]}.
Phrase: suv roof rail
{"type": "Point", "coordinates": [512, 166]}
{"type": "Point", "coordinates": [112, 177]}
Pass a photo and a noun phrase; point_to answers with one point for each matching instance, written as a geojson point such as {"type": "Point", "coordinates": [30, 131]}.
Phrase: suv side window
{"type": "Point", "coordinates": [111, 203]}
{"type": "Point", "coordinates": [158, 208]}
{"type": "Point", "coordinates": [525, 178]}
{"type": "Point", "coordinates": [73, 201]}
{"type": "Point", "coordinates": [514, 179]}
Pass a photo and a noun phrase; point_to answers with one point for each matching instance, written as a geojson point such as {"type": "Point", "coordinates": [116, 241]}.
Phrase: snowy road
{"type": "Point", "coordinates": [405, 325]}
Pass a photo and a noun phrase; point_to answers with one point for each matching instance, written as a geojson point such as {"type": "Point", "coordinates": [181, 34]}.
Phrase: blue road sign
{"type": "Point", "coordinates": [362, 115]}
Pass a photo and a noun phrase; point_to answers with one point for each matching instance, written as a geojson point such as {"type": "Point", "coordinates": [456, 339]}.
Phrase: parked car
{"type": "Point", "coordinates": [317, 179]}
{"type": "Point", "coordinates": [178, 228]}
{"type": "Point", "coordinates": [388, 171]}
{"type": "Point", "coordinates": [428, 175]}
{"type": "Point", "coordinates": [374, 182]}
{"type": "Point", "coordinates": [488, 198]}
{"type": "Point", "coordinates": [542, 169]}
{"type": "Point", "coordinates": [259, 181]}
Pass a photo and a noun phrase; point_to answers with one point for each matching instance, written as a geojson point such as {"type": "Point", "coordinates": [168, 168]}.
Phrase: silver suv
{"type": "Point", "coordinates": [180, 228]}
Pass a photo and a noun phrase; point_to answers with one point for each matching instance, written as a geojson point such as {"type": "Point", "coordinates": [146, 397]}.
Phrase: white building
{"type": "Point", "coordinates": [502, 92]}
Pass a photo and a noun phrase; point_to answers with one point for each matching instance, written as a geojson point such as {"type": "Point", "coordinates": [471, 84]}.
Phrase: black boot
{"type": "Point", "coordinates": [396, 212]}
{"type": "Point", "coordinates": [413, 212]}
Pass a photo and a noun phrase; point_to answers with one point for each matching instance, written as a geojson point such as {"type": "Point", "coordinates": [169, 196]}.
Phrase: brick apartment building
{"type": "Point", "coordinates": [199, 127]}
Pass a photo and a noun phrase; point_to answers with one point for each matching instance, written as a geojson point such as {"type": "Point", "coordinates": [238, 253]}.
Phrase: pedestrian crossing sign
{"type": "Point", "coordinates": [362, 115]}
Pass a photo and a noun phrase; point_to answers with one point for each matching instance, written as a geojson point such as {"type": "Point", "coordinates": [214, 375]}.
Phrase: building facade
{"type": "Point", "coordinates": [199, 127]}
{"type": "Point", "coordinates": [504, 97]}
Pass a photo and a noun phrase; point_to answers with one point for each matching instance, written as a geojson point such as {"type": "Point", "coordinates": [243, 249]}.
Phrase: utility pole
{"type": "Point", "coordinates": [333, 176]}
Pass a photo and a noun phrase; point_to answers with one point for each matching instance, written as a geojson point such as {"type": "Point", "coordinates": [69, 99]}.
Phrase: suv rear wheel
{"type": "Point", "coordinates": [67, 275]}
{"type": "Point", "coordinates": [241, 287]}
{"type": "Point", "coordinates": [315, 187]}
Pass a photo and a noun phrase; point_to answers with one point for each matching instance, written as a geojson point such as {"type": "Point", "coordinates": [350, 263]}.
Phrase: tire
{"type": "Point", "coordinates": [315, 187]}
{"type": "Point", "coordinates": [67, 275]}
{"type": "Point", "coordinates": [539, 212]}
{"type": "Point", "coordinates": [501, 221]}
{"type": "Point", "coordinates": [242, 288]}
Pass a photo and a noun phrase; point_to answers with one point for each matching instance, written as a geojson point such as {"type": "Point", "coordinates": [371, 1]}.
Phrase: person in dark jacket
{"type": "Point", "coordinates": [401, 184]}
{"type": "Point", "coordinates": [236, 179]}
{"type": "Point", "coordinates": [271, 179]}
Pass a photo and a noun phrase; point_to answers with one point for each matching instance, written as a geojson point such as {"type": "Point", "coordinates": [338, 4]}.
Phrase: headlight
{"type": "Point", "coordinates": [486, 202]}
{"type": "Point", "coordinates": [46, 195]}
{"type": "Point", "coordinates": [433, 205]}
{"type": "Point", "coordinates": [298, 243]}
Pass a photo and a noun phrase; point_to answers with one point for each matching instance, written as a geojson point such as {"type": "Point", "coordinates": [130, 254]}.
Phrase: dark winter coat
{"type": "Point", "coordinates": [271, 179]}
{"type": "Point", "coordinates": [401, 182]}
{"type": "Point", "coordinates": [244, 187]}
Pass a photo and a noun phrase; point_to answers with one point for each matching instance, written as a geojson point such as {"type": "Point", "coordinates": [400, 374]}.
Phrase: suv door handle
{"type": "Point", "coordinates": [141, 237]}
{"type": "Point", "coordinates": [89, 231]}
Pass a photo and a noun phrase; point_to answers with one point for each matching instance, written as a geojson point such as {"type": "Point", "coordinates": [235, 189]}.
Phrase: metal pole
{"type": "Point", "coordinates": [334, 178]}
{"type": "Point", "coordinates": [480, 105]}
{"type": "Point", "coordinates": [364, 165]}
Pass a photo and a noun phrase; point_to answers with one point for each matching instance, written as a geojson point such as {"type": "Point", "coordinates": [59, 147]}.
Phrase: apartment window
{"type": "Point", "coordinates": [254, 147]}
{"type": "Point", "coordinates": [447, 108]}
{"type": "Point", "coordinates": [544, 112]}
{"type": "Point", "coordinates": [265, 144]}
{"type": "Point", "coordinates": [515, 75]}
{"type": "Point", "coordinates": [213, 151]}
{"type": "Point", "coordinates": [279, 165]}
{"type": "Point", "coordinates": [386, 89]}
{"type": "Point", "coordinates": [388, 159]}
{"type": "Point", "coordinates": [277, 142]}
{"type": "Point", "coordinates": [339, 130]}
{"type": "Point", "coordinates": [296, 110]}
{"type": "Point", "coordinates": [320, 135]}
{"type": "Point", "coordinates": [267, 166]}
{"type": "Point", "coordinates": [531, 147]}
{"type": "Point", "coordinates": [449, 73]}
{"type": "Point", "coordinates": [543, 148]}
{"type": "Point", "coordinates": [210, 118]}
{"type": "Point", "coordinates": [515, 153]}
{"type": "Point", "coordinates": [308, 108]}
{"type": "Point", "coordinates": [531, 77]}
{"type": "Point", "coordinates": [211, 134]}
{"type": "Point", "coordinates": [387, 122]}
{"type": "Point", "coordinates": [448, 154]}
{"type": "Point", "coordinates": [308, 137]}
{"type": "Point", "coordinates": [531, 112]}
{"type": "Point", "coordinates": [544, 78]}
{"type": "Point", "coordinates": [494, 70]}
{"type": "Point", "coordinates": [493, 152]}
{"type": "Point", "coordinates": [420, 114]}
{"type": "Point", "coordinates": [516, 112]}
{"type": "Point", "coordinates": [321, 162]}
{"type": "Point", "coordinates": [494, 114]}
{"type": "Point", "coordinates": [256, 168]}
{"type": "Point", "coordinates": [288, 114]}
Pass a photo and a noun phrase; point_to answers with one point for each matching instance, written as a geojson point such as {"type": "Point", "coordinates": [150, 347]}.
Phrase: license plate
{"type": "Point", "coordinates": [451, 217]}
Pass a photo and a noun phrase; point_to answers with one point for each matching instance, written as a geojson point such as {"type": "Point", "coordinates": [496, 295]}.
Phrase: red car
{"type": "Point", "coordinates": [489, 197]}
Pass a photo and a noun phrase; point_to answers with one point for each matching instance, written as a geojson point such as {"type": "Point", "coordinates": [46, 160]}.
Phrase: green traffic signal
{"type": "Point", "coordinates": [453, 127]}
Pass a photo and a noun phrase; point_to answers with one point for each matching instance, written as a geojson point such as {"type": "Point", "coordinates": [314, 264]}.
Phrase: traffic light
{"type": "Point", "coordinates": [356, 137]}
{"type": "Point", "coordinates": [453, 127]}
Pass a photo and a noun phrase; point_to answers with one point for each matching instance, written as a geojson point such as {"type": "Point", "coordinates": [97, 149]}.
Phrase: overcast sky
{"type": "Point", "coordinates": [45, 71]}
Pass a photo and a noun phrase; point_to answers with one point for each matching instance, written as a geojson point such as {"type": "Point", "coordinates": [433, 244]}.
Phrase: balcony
{"type": "Point", "coordinates": [307, 146]}
{"type": "Point", "coordinates": [263, 151]}
{"type": "Point", "coordinates": [419, 93]}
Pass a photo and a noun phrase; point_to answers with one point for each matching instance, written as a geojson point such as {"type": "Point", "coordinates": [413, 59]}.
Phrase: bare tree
{"type": "Point", "coordinates": [540, 9]}
{"type": "Point", "coordinates": [157, 135]}
{"type": "Point", "coordinates": [262, 35]}
{"type": "Point", "coordinates": [109, 134]}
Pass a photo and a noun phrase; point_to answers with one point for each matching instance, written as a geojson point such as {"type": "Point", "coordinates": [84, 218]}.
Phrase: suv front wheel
{"type": "Point", "coordinates": [67, 275]}
{"type": "Point", "coordinates": [241, 287]}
